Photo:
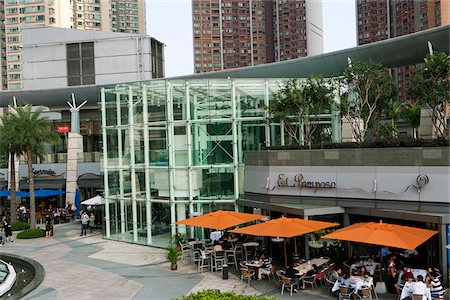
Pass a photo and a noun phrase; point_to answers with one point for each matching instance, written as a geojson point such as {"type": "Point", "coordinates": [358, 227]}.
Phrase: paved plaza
{"type": "Point", "coordinates": [94, 268]}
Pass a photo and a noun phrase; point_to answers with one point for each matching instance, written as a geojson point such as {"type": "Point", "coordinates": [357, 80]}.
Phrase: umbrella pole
{"type": "Point", "coordinates": [295, 244]}
{"type": "Point", "coordinates": [285, 256]}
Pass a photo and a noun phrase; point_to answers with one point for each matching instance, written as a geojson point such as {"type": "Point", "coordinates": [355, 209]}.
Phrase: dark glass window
{"type": "Point", "coordinates": [80, 64]}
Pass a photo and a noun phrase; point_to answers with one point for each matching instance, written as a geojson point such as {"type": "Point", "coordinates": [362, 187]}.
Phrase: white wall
{"type": "Point", "coordinates": [388, 183]}
{"type": "Point", "coordinates": [117, 58]}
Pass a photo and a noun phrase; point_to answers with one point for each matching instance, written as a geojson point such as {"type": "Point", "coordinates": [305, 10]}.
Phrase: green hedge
{"type": "Point", "coordinates": [216, 295]}
{"type": "Point", "coordinates": [19, 226]}
{"type": "Point", "coordinates": [31, 234]}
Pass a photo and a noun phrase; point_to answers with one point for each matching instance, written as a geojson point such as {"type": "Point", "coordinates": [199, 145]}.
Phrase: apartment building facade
{"type": "Point", "coordinates": [232, 33]}
{"type": "Point", "coordinates": [383, 19]}
{"type": "Point", "coordinates": [116, 15]}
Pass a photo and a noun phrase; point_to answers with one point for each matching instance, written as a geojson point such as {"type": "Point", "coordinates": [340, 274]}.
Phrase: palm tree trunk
{"type": "Point", "coordinates": [12, 197]}
{"type": "Point", "coordinates": [31, 188]}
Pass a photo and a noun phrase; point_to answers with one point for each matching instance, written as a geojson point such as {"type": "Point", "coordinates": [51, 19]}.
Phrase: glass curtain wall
{"type": "Point", "coordinates": [172, 148]}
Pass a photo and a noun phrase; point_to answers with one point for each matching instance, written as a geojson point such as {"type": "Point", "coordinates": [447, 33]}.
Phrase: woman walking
{"type": "Point", "coordinates": [92, 223]}
{"type": "Point", "coordinates": [8, 231]}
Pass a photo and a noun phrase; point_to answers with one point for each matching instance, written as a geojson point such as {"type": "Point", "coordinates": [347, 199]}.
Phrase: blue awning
{"type": "Point", "coordinates": [37, 193]}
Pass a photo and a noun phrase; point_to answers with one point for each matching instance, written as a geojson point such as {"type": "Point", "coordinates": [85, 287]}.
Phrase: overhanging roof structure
{"type": "Point", "coordinates": [400, 51]}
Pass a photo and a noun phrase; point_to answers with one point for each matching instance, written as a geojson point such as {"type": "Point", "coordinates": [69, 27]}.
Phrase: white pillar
{"type": "Point", "coordinates": [148, 200]}
{"type": "Point", "coordinates": [266, 113]}
{"type": "Point", "coordinates": [181, 215]}
{"type": "Point", "coordinates": [171, 155]}
{"type": "Point", "coordinates": [189, 152]}
{"type": "Point", "coordinates": [234, 143]}
{"type": "Point", "coordinates": [132, 162]}
{"type": "Point", "coordinates": [105, 165]}
{"type": "Point", "coordinates": [120, 162]}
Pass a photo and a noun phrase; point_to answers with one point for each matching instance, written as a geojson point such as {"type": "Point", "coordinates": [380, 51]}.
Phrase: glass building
{"type": "Point", "coordinates": [174, 148]}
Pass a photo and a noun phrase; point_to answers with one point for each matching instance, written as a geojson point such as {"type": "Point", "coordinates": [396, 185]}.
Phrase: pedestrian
{"type": "Point", "coordinates": [84, 223]}
{"type": "Point", "coordinates": [48, 226]}
{"type": "Point", "coordinates": [8, 231]}
{"type": "Point", "coordinates": [92, 222]}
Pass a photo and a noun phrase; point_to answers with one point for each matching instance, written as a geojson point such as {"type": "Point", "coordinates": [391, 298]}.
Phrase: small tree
{"type": "Point", "coordinates": [366, 87]}
{"type": "Point", "coordinates": [411, 113]}
{"type": "Point", "coordinates": [298, 106]}
{"type": "Point", "coordinates": [430, 87]}
{"type": "Point", "coordinates": [393, 112]}
{"type": "Point", "coordinates": [9, 145]}
{"type": "Point", "coordinates": [32, 133]}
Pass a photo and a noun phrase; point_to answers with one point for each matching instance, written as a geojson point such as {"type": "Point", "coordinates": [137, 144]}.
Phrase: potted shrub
{"type": "Point", "coordinates": [179, 238]}
{"type": "Point", "coordinates": [173, 255]}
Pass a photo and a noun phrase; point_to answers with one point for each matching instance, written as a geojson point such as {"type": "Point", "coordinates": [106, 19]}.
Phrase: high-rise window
{"type": "Point", "coordinates": [80, 64]}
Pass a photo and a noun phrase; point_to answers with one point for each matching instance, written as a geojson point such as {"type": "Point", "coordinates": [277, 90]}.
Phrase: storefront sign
{"type": "Point", "coordinates": [63, 128]}
{"type": "Point", "coordinates": [47, 172]}
{"type": "Point", "coordinates": [298, 181]}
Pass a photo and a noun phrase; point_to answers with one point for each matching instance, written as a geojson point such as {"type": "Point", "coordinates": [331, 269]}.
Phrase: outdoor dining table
{"type": "Point", "coordinates": [305, 267]}
{"type": "Point", "coordinates": [370, 266]}
{"type": "Point", "coordinates": [415, 272]}
{"type": "Point", "coordinates": [407, 291]}
{"type": "Point", "coordinates": [360, 282]}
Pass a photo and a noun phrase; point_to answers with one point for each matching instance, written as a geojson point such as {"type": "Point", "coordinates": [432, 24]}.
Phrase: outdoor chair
{"type": "Point", "coordinates": [205, 262]}
{"type": "Point", "coordinates": [366, 293]}
{"type": "Point", "coordinates": [219, 260]}
{"type": "Point", "coordinates": [185, 250]}
{"type": "Point", "coordinates": [344, 293]}
{"type": "Point", "coordinates": [280, 274]}
{"type": "Point", "coordinates": [287, 283]}
{"type": "Point", "coordinates": [239, 251]}
{"type": "Point", "coordinates": [196, 256]}
{"type": "Point", "coordinates": [246, 274]}
{"type": "Point", "coordinates": [309, 280]}
{"type": "Point", "coordinates": [417, 296]}
{"type": "Point", "coordinates": [330, 283]}
{"type": "Point", "coordinates": [232, 256]}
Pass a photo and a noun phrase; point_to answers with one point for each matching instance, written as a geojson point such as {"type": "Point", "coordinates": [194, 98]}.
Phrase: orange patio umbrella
{"type": "Point", "coordinates": [220, 219]}
{"type": "Point", "coordinates": [392, 235]}
{"type": "Point", "coordinates": [284, 227]}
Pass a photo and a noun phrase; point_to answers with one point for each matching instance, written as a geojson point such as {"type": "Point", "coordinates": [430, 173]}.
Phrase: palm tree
{"type": "Point", "coordinates": [8, 145]}
{"type": "Point", "coordinates": [33, 132]}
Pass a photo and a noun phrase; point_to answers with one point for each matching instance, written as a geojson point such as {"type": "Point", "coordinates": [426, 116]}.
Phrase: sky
{"type": "Point", "coordinates": [170, 22]}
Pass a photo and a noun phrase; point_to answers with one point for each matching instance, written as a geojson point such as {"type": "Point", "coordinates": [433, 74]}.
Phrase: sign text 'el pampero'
{"type": "Point", "coordinates": [299, 181]}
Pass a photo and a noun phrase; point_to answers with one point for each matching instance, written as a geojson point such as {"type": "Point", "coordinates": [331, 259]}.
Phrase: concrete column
{"type": "Point", "coordinates": [74, 147]}
{"type": "Point", "coordinates": [181, 215]}
{"type": "Point", "coordinates": [306, 242]}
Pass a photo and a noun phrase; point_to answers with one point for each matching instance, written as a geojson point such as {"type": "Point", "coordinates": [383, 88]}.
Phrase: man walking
{"type": "Point", "coordinates": [84, 223]}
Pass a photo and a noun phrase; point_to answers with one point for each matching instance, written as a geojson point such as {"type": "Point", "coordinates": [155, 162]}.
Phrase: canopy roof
{"type": "Point", "coordinates": [399, 51]}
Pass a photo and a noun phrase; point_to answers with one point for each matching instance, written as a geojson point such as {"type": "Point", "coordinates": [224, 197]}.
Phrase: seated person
{"type": "Point", "coordinates": [408, 276]}
{"type": "Point", "coordinates": [419, 287]}
{"type": "Point", "coordinates": [217, 246]}
{"type": "Point", "coordinates": [346, 281]}
{"type": "Point", "coordinates": [362, 272]}
{"type": "Point", "coordinates": [313, 271]}
{"type": "Point", "coordinates": [335, 274]}
{"type": "Point", "coordinates": [437, 291]}
{"type": "Point", "coordinates": [266, 267]}
{"type": "Point", "coordinates": [354, 272]}
{"type": "Point", "coordinates": [293, 274]}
